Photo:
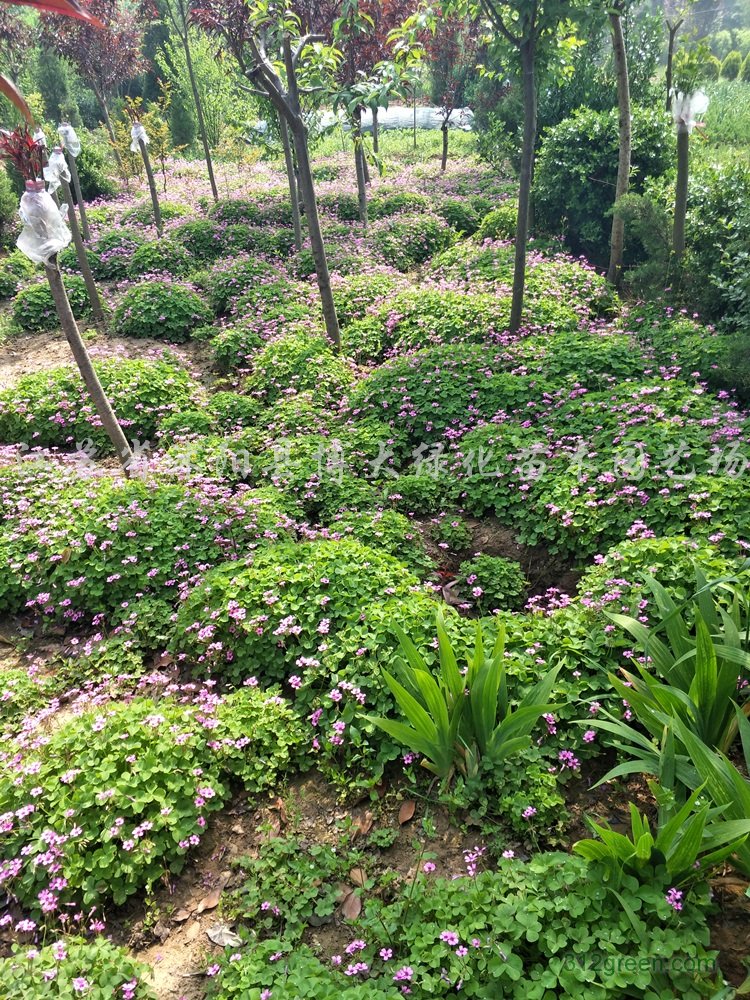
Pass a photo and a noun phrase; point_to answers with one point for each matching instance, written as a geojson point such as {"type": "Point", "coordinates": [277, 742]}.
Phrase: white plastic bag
{"type": "Point", "coordinates": [70, 139]}
{"type": "Point", "coordinates": [56, 170]}
{"type": "Point", "coordinates": [44, 230]}
{"type": "Point", "coordinates": [40, 137]}
{"type": "Point", "coordinates": [137, 133]}
{"type": "Point", "coordinates": [687, 108]}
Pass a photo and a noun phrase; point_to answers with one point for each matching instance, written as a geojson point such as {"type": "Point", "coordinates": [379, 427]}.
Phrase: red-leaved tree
{"type": "Point", "coordinates": [105, 57]}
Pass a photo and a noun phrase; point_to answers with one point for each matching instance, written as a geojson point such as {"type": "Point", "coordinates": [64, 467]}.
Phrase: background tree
{"type": "Point", "coordinates": [617, 239]}
{"type": "Point", "coordinates": [105, 58]}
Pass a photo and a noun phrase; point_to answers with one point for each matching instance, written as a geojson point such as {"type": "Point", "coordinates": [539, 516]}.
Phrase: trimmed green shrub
{"type": "Point", "coordinates": [161, 310]}
{"type": "Point", "coordinates": [160, 256]}
{"type": "Point", "coordinates": [404, 241]}
{"type": "Point", "coordinates": [233, 210]}
{"type": "Point", "coordinates": [34, 308]}
{"type": "Point", "coordinates": [732, 66]}
{"type": "Point", "coordinates": [92, 173]}
{"type": "Point", "coordinates": [287, 606]}
{"type": "Point", "coordinates": [386, 531]}
{"type": "Point", "coordinates": [232, 279]}
{"type": "Point", "coordinates": [461, 216]}
{"type": "Point", "coordinates": [359, 294]}
{"type": "Point", "coordinates": [576, 168]}
{"type": "Point", "coordinates": [52, 408]}
{"type": "Point", "coordinates": [397, 202]}
{"type": "Point", "coordinates": [113, 252]}
{"type": "Point", "coordinates": [13, 269]}
{"type": "Point", "coordinates": [500, 223]}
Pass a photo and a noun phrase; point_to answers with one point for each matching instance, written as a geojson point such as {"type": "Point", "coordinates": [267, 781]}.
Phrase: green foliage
{"type": "Point", "coordinates": [384, 204]}
{"type": "Point", "coordinates": [286, 594]}
{"type": "Point", "coordinates": [34, 308]}
{"type": "Point", "coordinates": [450, 531]}
{"type": "Point", "coordinates": [161, 310]}
{"type": "Point", "coordinates": [164, 255]}
{"type": "Point", "coordinates": [233, 210]}
{"type": "Point", "coordinates": [405, 241]}
{"type": "Point", "coordinates": [500, 223]}
{"type": "Point", "coordinates": [453, 729]}
{"type": "Point", "coordinates": [112, 253]}
{"type": "Point", "coordinates": [530, 929]}
{"type": "Point", "coordinates": [9, 224]}
{"type": "Point", "coordinates": [386, 531]}
{"type": "Point", "coordinates": [501, 583]}
{"type": "Point", "coordinates": [460, 215]}
{"type": "Point", "coordinates": [727, 118]}
{"type": "Point", "coordinates": [732, 66]}
{"type": "Point", "coordinates": [105, 969]}
{"type": "Point", "coordinates": [575, 173]}
{"type": "Point", "coordinates": [13, 269]}
{"type": "Point", "coordinates": [230, 281]}
{"type": "Point", "coordinates": [52, 408]}
{"type": "Point", "coordinates": [299, 363]}
{"type": "Point", "coordinates": [142, 214]}
{"type": "Point", "coordinates": [141, 779]}
{"type": "Point", "coordinates": [357, 295]}
{"type": "Point", "coordinates": [202, 238]}
{"type": "Point", "coordinates": [92, 172]}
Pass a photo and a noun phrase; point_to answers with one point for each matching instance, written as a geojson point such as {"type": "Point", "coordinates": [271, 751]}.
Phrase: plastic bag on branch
{"type": "Point", "coordinates": [687, 108]}
{"type": "Point", "coordinates": [70, 139]}
{"type": "Point", "coordinates": [137, 133]}
{"type": "Point", "coordinates": [44, 230]}
{"type": "Point", "coordinates": [40, 138]}
{"type": "Point", "coordinates": [56, 170]}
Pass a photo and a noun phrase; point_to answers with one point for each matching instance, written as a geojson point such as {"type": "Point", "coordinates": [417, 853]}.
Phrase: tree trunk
{"type": "Point", "coordinates": [82, 359]}
{"type": "Point", "coordinates": [360, 166]}
{"type": "Point", "coordinates": [292, 180]}
{"type": "Point", "coordinates": [444, 158]}
{"type": "Point", "coordinates": [681, 190]}
{"type": "Point", "coordinates": [414, 98]}
{"type": "Point", "coordinates": [375, 131]}
{"type": "Point", "coordinates": [71, 160]}
{"type": "Point", "coordinates": [528, 55]}
{"type": "Point", "coordinates": [83, 261]}
{"type": "Point", "coordinates": [110, 129]}
{"type": "Point", "coordinates": [199, 113]}
{"type": "Point", "coordinates": [152, 187]}
{"type": "Point", "coordinates": [307, 189]}
{"type": "Point", "coordinates": [617, 239]}
{"type": "Point", "coordinates": [673, 27]}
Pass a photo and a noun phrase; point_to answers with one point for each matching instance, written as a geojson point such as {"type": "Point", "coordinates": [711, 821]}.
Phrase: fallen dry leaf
{"type": "Point", "coordinates": [352, 906]}
{"type": "Point", "coordinates": [406, 811]}
{"type": "Point", "coordinates": [222, 935]}
{"type": "Point", "coordinates": [181, 916]}
{"type": "Point", "coordinates": [364, 825]}
{"type": "Point", "coordinates": [358, 877]}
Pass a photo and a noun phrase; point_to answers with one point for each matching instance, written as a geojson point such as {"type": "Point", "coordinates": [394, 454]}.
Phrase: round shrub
{"type": "Point", "coordinates": [233, 410]}
{"type": "Point", "coordinates": [95, 968]}
{"type": "Point", "coordinates": [112, 253]}
{"type": "Point", "coordinates": [299, 363]}
{"type": "Point", "coordinates": [234, 210]}
{"type": "Point", "coordinates": [576, 170]}
{"type": "Point", "coordinates": [404, 241]}
{"type": "Point", "coordinates": [160, 256]}
{"type": "Point", "coordinates": [460, 215]}
{"type": "Point", "coordinates": [383, 205]}
{"type": "Point", "coordinates": [34, 308]}
{"type": "Point", "coordinates": [276, 617]}
{"type": "Point", "coordinates": [161, 310]}
{"type": "Point", "coordinates": [141, 779]}
{"type": "Point", "coordinates": [500, 223]}
{"type": "Point", "coordinates": [359, 294]}
{"type": "Point", "coordinates": [202, 238]}
{"type": "Point", "coordinates": [493, 583]}
{"type": "Point", "coordinates": [13, 268]}
{"type": "Point", "coordinates": [9, 283]}
{"type": "Point", "coordinates": [143, 213]}
{"type": "Point", "coordinates": [732, 66]}
{"type": "Point", "coordinates": [53, 409]}
{"type": "Point", "coordinates": [419, 493]}
{"type": "Point", "coordinates": [387, 531]}
{"type": "Point", "coordinates": [344, 205]}
{"type": "Point", "coordinates": [232, 279]}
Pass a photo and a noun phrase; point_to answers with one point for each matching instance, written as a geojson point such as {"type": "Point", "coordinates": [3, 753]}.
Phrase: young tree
{"type": "Point", "coordinates": [105, 58]}
{"type": "Point", "coordinates": [282, 65]}
{"type": "Point", "coordinates": [452, 56]}
{"type": "Point", "coordinates": [688, 103]}
{"type": "Point", "coordinates": [178, 13]}
{"type": "Point", "coordinates": [617, 239]}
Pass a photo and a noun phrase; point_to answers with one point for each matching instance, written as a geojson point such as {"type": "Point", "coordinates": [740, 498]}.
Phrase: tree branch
{"type": "Point", "coordinates": [494, 15]}
{"type": "Point", "coordinates": [305, 40]}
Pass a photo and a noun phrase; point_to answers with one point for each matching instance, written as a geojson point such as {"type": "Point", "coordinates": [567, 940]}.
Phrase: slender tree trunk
{"type": "Point", "coordinates": [307, 189]}
{"type": "Point", "coordinates": [110, 129]}
{"type": "Point", "coordinates": [292, 180]}
{"type": "Point", "coordinates": [82, 359]}
{"type": "Point", "coordinates": [414, 130]}
{"type": "Point", "coordinates": [375, 131]}
{"type": "Point", "coordinates": [359, 165]}
{"type": "Point", "coordinates": [152, 187]}
{"type": "Point", "coordinates": [528, 56]}
{"type": "Point", "coordinates": [617, 239]}
{"type": "Point", "coordinates": [444, 158]}
{"type": "Point", "coordinates": [71, 160]}
{"type": "Point", "coordinates": [673, 27]}
{"type": "Point", "coordinates": [83, 260]}
{"type": "Point", "coordinates": [199, 113]}
{"type": "Point", "coordinates": [681, 190]}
